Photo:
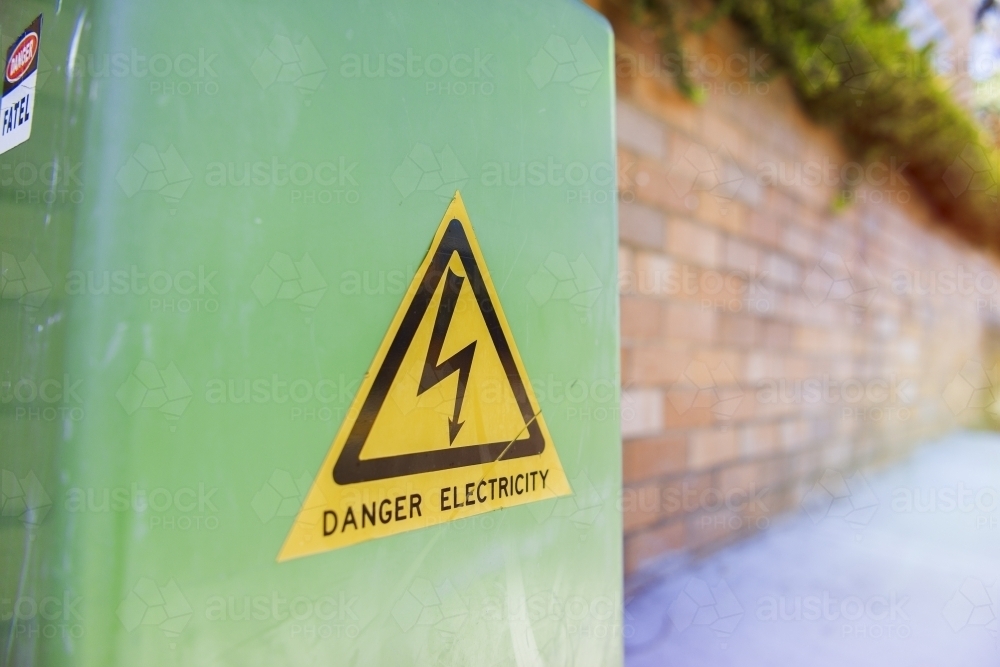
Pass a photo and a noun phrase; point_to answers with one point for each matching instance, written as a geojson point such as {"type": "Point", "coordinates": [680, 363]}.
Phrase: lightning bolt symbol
{"type": "Point", "coordinates": [460, 362]}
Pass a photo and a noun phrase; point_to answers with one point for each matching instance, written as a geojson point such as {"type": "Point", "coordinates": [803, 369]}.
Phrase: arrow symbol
{"type": "Point", "coordinates": [460, 362]}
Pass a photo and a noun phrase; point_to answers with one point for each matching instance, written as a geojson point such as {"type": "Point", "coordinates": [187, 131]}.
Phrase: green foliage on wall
{"type": "Point", "coordinates": [853, 67]}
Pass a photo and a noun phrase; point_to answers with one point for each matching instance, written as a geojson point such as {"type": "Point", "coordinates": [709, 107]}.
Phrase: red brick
{"type": "Point", "coordinates": [741, 256]}
{"type": "Point", "coordinates": [711, 447]}
{"type": "Point", "coordinates": [777, 335]}
{"type": "Point", "coordinates": [639, 131]}
{"type": "Point", "coordinates": [740, 330]}
{"type": "Point", "coordinates": [658, 363]}
{"type": "Point", "coordinates": [641, 317]}
{"type": "Point", "coordinates": [653, 187]}
{"type": "Point", "coordinates": [691, 322]}
{"type": "Point", "coordinates": [647, 458]}
{"type": "Point", "coordinates": [763, 227]}
{"type": "Point", "coordinates": [692, 242]}
{"type": "Point", "coordinates": [720, 212]}
{"type": "Point", "coordinates": [640, 225]}
{"type": "Point", "coordinates": [645, 547]}
{"type": "Point", "coordinates": [642, 411]}
{"type": "Point", "coordinates": [641, 506]}
{"type": "Point", "coordinates": [669, 104]}
{"type": "Point", "coordinates": [625, 359]}
{"type": "Point", "coordinates": [758, 440]}
{"type": "Point", "coordinates": [681, 409]}
{"type": "Point", "coordinates": [651, 273]}
{"type": "Point", "coordinates": [741, 478]}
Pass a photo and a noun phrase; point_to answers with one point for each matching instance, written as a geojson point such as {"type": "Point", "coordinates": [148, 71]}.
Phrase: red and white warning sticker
{"type": "Point", "coordinates": [17, 108]}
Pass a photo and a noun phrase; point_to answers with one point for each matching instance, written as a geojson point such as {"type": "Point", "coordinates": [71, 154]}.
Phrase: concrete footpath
{"type": "Point", "coordinates": [900, 567]}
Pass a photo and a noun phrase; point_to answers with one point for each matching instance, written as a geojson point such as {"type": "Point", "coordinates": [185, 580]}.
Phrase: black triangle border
{"type": "Point", "coordinates": [351, 469]}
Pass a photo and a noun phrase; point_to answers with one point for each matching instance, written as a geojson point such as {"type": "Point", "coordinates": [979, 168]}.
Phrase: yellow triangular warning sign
{"type": "Point", "coordinates": [445, 424]}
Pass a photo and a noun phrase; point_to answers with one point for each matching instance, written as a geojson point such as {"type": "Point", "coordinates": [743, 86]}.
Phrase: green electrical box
{"type": "Point", "coordinates": [309, 327]}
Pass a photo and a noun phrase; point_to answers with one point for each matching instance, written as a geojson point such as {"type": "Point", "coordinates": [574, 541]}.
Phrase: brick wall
{"type": "Point", "coordinates": [776, 335]}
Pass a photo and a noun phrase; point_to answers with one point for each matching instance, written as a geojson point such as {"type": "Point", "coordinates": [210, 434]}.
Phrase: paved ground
{"type": "Point", "coordinates": [900, 568]}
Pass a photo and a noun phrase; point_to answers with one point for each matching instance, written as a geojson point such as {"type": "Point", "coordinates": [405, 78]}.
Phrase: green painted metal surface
{"type": "Point", "coordinates": [244, 191]}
